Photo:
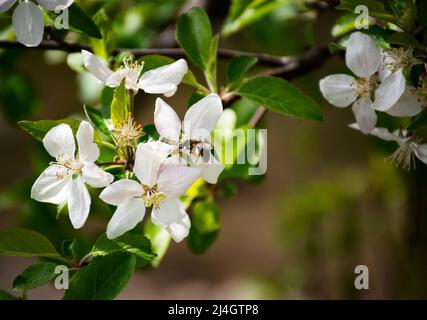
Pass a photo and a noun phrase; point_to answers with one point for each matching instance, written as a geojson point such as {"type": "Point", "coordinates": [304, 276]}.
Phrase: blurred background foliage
{"type": "Point", "coordinates": [329, 202]}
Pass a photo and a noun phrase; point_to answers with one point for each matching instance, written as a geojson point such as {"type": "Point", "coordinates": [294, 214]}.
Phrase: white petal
{"type": "Point", "coordinates": [384, 69]}
{"type": "Point", "coordinates": [389, 91]}
{"type": "Point", "coordinates": [88, 150]}
{"type": "Point", "coordinates": [172, 216]}
{"type": "Point", "coordinates": [381, 133]}
{"type": "Point", "coordinates": [117, 77]}
{"type": "Point", "coordinates": [6, 5]}
{"type": "Point", "coordinates": [339, 89]}
{"type": "Point", "coordinates": [96, 66]}
{"type": "Point", "coordinates": [166, 120]}
{"type": "Point", "coordinates": [95, 176]}
{"type": "Point", "coordinates": [365, 115]}
{"type": "Point", "coordinates": [211, 168]}
{"type": "Point", "coordinates": [28, 23]}
{"type": "Point", "coordinates": [202, 117]}
{"type": "Point", "coordinates": [408, 105]}
{"type": "Point", "coordinates": [362, 56]}
{"type": "Point", "coordinates": [121, 192]}
{"type": "Point", "coordinates": [164, 80]}
{"type": "Point", "coordinates": [59, 141]}
{"type": "Point", "coordinates": [126, 217]}
{"type": "Point", "coordinates": [420, 151]}
{"type": "Point", "coordinates": [55, 5]}
{"type": "Point", "coordinates": [148, 159]}
{"type": "Point", "coordinates": [175, 179]}
{"type": "Point", "coordinates": [49, 187]}
{"type": "Point", "coordinates": [78, 203]}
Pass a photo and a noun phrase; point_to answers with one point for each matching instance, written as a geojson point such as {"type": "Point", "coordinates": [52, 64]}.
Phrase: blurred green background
{"type": "Point", "coordinates": [329, 202]}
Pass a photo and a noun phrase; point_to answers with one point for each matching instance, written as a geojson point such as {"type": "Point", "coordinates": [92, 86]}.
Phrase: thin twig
{"type": "Point", "coordinates": [265, 59]}
{"type": "Point", "coordinates": [284, 67]}
{"type": "Point", "coordinates": [257, 116]}
{"type": "Point", "coordinates": [295, 67]}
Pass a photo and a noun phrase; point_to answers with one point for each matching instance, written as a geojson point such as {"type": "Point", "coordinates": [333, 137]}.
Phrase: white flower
{"type": "Point", "coordinates": [363, 58]}
{"type": "Point", "coordinates": [27, 18]}
{"type": "Point", "coordinates": [408, 146]}
{"type": "Point", "coordinates": [163, 80]}
{"type": "Point", "coordinates": [64, 180]}
{"type": "Point", "coordinates": [192, 138]}
{"type": "Point", "coordinates": [161, 182]}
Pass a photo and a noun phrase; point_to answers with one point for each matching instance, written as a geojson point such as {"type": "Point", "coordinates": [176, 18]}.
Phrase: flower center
{"type": "Point", "coordinates": [133, 66]}
{"type": "Point", "coordinates": [366, 87]}
{"type": "Point", "coordinates": [399, 59]}
{"type": "Point", "coordinates": [128, 133]}
{"type": "Point", "coordinates": [403, 156]}
{"type": "Point", "coordinates": [67, 167]}
{"type": "Point", "coordinates": [421, 94]}
{"type": "Point", "coordinates": [152, 197]}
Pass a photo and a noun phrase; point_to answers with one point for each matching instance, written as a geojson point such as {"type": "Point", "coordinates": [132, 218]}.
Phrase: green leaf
{"type": "Point", "coordinates": [35, 276]}
{"type": "Point", "coordinates": [199, 243]}
{"type": "Point", "coordinates": [420, 121]}
{"type": "Point", "coordinates": [81, 22]}
{"type": "Point", "coordinates": [194, 35]}
{"type": "Point", "coordinates": [237, 7]}
{"type": "Point", "coordinates": [95, 118]}
{"type": "Point", "coordinates": [135, 244]}
{"type": "Point", "coordinates": [107, 96]}
{"type": "Point", "coordinates": [335, 47]}
{"type": "Point", "coordinates": [120, 106]}
{"type": "Point", "coordinates": [160, 240]}
{"type": "Point", "coordinates": [405, 39]}
{"type": "Point", "coordinates": [61, 209]}
{"type": "Point", "coordinates": [204, 226]}
{"type": "Point", "coordinates": [149, 133]}
{"type": "Point", "coordinates": [70, 248]}
{"type": "Point", "coordinates": [237, 69]}
{"type": "Point", "coordinates": [205, 216]}
{"type": "Point", "coordinates": [407, 18]}
{"type": "Point", "coordinates": [421, 6]}
{"type": "Point", "coordinates": [211, 66]}
{"type": "Point", "coordinates": [156, 61]}
{"type": "Point", "coordinates": [246, 12]}
{"type": "Point", "coordinates": [194, 98]}
{"type": "Point", "coordinates": [25, 243]}
{"type": "Point", "coordinates": [7, 296]}
{"type": "Point", "coordinates": [344, 25]}
{"type": "Point", "coordinates": [280, 96]}
{"type": "Point", "coordinates": [38, 129]}
{"type": "Point", "coordinates": [104, 278]}
{"type": "Point", "coordinates": [106, 44]}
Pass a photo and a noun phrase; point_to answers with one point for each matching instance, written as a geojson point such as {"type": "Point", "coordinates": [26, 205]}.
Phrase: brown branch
{"type": "Point", "coordinates": [257, 116]}
{"type": "Point", "coordinates": [265, 59]}
{"type": "Point", "coordinates": [284, 67]}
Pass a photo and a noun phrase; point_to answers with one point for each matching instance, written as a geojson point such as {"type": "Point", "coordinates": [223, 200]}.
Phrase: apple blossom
{"type": "Point", "coordinates": [409, 147]}
{"type": "Point", "coordinates": [161, 181]}
{"type": "Point", "coordinates": [163, 80]}
{"type": "Point", "coordinates": [191, 139]}
{"type": "Point", "coordinates": [64, 180]}
{"type": "Point", "coordinates": [27, 18]}
{"type": "Point", "coordinates": [363, 58]}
